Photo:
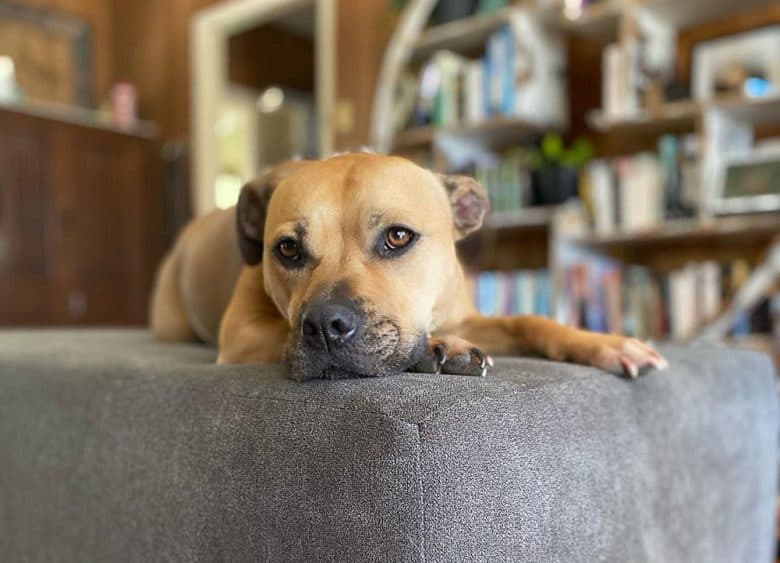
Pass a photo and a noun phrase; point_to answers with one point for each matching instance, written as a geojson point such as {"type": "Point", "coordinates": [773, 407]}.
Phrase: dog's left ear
{"type": "Point", "coordinates": [469, 203]}
{"type": "Point", "coordinates": [252, 207]}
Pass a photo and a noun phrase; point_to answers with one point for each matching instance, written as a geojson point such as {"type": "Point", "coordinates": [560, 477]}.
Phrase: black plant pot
{"type": "Point", "coordinates": [552, 185]}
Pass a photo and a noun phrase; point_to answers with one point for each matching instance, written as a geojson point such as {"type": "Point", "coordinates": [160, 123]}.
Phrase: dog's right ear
{"type": "Point", "coordinates": [252, 207]}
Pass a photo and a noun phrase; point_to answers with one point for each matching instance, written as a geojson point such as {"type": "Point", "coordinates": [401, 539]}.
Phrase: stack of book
{"type": "Point", "coordinates": [519, 292]}
{"type": "Point", "coordinates": [599, 295]}
{"type": "Point", "coordinates": [520, 76]}
{"type": "Point", "coordinates": [636, 70]}
{"type": "Point", "coordinates": [507, 181]}
{"type": "Point", "coordinates": [639, 192]}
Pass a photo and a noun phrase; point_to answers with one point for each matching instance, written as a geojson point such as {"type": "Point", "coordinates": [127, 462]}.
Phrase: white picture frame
{"type": "Point", "coordinates": [759, 167]}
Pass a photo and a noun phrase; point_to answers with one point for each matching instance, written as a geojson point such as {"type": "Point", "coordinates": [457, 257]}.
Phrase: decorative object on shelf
{"type": "Point", "coordinates": [637, 69]}
{"type": "Point", "coordinates": [124, 106]}
{"type": "Point", "coordinates": [51, 51]}
{"type": "Point", "coordinates": [749, 182]}
{"type": "Point", "coordinates": [742, 64]}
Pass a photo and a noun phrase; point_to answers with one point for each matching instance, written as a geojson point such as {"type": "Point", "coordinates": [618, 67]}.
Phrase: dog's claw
{"type": "Point", "coordinates": [440, 357]}
{"type": "Point", "coordinates": [454, 356]}
{"type": "Point", "coordinates": [483, 360]}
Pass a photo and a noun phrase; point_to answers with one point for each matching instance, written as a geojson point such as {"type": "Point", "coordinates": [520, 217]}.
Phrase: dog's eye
{"type": "Point", "coordinates": [288, 249]}
{"type": "Point", "coordinates": [397, 238]}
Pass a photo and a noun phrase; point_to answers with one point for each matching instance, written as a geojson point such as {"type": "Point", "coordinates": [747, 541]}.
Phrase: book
{"type": "Point", "coordinates": [518, 292]}
{"type": "Point", "coordinates": [605, 297]}
{"type": "Point", "coordinates": [639, 192]}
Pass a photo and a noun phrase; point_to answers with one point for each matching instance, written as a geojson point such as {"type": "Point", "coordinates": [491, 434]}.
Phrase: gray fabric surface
{"type": "Point", "coordinates": [117, 448]}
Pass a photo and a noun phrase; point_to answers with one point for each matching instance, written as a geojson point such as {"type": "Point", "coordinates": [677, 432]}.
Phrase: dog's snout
{"type": "Point", "coordinates": [331, 325]}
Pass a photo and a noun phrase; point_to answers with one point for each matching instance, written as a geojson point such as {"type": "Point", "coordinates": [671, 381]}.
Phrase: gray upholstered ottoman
{"type": "Point", "coordinates": [117, 448]}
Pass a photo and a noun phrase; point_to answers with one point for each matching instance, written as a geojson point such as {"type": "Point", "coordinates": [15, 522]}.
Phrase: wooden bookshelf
{"type": "Point", "coordinates": [756, 111]}
{"type": "Point", "coordinates": [492, 132]}
{"type": "Point", "coordinates": [731, 228]}
{"type": "Point", "coordinates": [539, 217]}
{"type": "Point", "coordinates": [686, 13]}
{"type": "Point", "coordinates": [686, 116]}
{"type": "Point", "coordinates": [80, 116]}
{"type": "Point", "coordinates": [540, 237]}
{"type": "Point", "coordinates": [671, 117]}
{"type": "Point", "coordinates": [600, 21]}
{"type": "Point", "coordinates": [464, 35]}
{"type": "Point", "coordinates": [415, 137]}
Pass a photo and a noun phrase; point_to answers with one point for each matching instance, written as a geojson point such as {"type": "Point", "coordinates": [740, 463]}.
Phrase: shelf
{"type": "Point", "coordinates": [756, 111]}
{"type": "Point", "coordinates": [77, 116]}
{"type": "Point", "coordinates": [683, 115]}
{"type": "Point", "coordinates": [464, 35]}
{"type": "Point", "coordinates": [470, 34]}
{"type": "Point", "coordinates": [416, 137]}
{"type": "Point", "coordinates": [672, 117]}
{"type": "Point", "coordinates": [496, 131]}
{"type": "Point", "coordinates": [528, 218]}
{"type": "Point", "coordinates": [733, 228]}
{"type": "Point", "coordinates": [600, 21]}
{"type": "Point", "coordinates": [687, 13]}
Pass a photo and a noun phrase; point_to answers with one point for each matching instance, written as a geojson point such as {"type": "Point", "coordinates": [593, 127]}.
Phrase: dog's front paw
{"type": "Point", "coordinates": [621, 355]}
{"type": "Point", "coordinates": [453, 356]}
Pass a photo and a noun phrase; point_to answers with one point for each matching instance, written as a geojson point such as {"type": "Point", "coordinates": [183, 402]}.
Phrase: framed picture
{"type": "Point", "coordinates": [51, 53]}
{"type": "Point", "coordinates": [749, 182]}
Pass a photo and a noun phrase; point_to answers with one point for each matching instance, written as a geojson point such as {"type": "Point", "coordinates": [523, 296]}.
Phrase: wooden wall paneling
{"type": "Point", "coordinates": [26, 235]}
{"type": "Point", "coordinates": [363, 30]}
{"type": "Point", "coordinates": [151, 50]}
{"type": "Point", "coordinates": [103, 187]}
{"type": "Point", "coordinates": [80, 223]}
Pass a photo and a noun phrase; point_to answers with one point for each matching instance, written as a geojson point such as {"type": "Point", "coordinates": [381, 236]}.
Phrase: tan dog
{"type": "Point", "coordinates": [349, 268]}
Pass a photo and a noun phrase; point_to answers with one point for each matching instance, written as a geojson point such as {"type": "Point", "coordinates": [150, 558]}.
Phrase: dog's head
{"type": "Point", "coordinates": [358, 255]}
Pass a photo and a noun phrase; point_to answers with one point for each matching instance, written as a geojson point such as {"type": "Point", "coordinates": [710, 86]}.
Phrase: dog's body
{"type": "Point", "coordinates": [349, 267]}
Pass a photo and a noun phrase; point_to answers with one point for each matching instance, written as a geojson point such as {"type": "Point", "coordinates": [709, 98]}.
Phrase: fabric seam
{"type": "Point", "coordinates": [421, 491]}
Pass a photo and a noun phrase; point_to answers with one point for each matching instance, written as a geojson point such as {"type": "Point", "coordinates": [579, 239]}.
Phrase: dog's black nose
{"type": "Point", "coordinates": [329, 325]}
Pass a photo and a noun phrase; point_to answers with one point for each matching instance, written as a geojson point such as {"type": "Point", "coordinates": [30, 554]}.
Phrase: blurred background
{"type": "Point", "coordinates": [630, 148]}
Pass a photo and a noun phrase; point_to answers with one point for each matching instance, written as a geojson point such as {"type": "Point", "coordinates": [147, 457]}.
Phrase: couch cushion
{"type": "Point", "coordinates": [116, 447]}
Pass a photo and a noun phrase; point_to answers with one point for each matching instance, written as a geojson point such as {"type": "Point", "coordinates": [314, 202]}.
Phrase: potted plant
{"type": "Point", "coordinates": [555, 169]}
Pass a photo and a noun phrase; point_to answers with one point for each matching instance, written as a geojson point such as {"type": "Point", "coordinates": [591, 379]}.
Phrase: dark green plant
{"type": "Point", "coordinates": [553, 152]}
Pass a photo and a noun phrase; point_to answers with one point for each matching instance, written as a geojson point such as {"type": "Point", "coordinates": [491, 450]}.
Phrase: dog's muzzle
{"type": "Point", "coordinates": [338, 337]}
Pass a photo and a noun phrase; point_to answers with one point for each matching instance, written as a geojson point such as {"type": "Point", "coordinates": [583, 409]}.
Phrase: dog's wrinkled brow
{"type": "Point", "coordinates": [375, 220]}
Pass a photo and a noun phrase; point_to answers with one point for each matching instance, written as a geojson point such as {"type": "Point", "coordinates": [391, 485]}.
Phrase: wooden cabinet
{"type": "Point", "coordinates": [80, 222]}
